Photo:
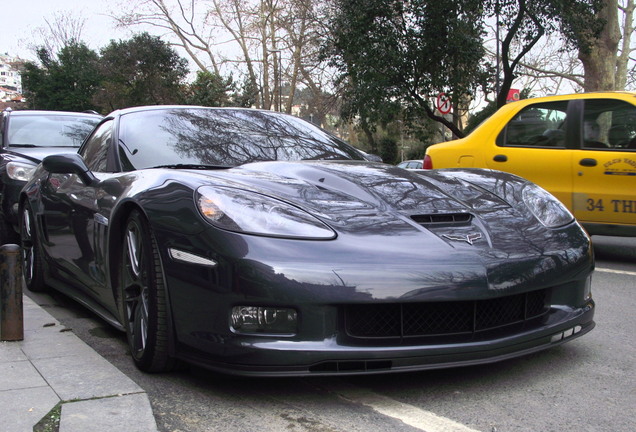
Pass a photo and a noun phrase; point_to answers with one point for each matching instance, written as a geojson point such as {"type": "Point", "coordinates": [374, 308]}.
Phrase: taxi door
{"type": "Point", "coordinates": [605, 165]}
{"type": "Point", "coordinates": [533, 145]}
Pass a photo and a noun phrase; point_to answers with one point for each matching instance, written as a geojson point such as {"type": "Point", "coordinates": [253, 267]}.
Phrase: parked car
{"type": "Point", "coordinates": [580, 147]}
{"type": "Point", "coordinates": [25, 138]}
{"type": "Point", "coordinates": [253, 242]}
{"type": "Point", "coordinates": [411, 164]}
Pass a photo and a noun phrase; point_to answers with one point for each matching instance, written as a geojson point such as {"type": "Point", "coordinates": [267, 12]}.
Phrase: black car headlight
{"type": "Point", "coordinates": [20, 171]}
{"type": "Point", "coordinates": [545, 207]}
{"type": "Point", "coordinates": [253, 213]}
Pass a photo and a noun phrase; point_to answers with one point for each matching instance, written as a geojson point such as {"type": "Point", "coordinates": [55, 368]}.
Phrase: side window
{"type": "Point", "coordinates": [95, 150]}
{"type": "Point", "coordinates": [609, 124]}
{"type": "Point", "coordinates": [539, 125]}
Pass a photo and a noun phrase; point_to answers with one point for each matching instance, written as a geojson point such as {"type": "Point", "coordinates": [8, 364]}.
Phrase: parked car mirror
{"type": "Point", "coordinates": [69, 164]}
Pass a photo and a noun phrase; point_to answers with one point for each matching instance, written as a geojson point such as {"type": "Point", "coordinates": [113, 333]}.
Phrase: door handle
{"type": "Point", "coordinates": [500, 158]}
{"type": "Point", "coordinates": [588, 162]}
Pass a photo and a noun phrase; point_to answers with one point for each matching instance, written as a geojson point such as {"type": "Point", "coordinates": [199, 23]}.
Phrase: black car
{"type": "Point", "coordinates": [25, 138]}
{"type": "Point", "coordinates": [254, 243]}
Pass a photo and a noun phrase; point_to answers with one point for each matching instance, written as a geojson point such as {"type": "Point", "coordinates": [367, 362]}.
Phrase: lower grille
{"type": "Point", "coordinates": [404, 320]}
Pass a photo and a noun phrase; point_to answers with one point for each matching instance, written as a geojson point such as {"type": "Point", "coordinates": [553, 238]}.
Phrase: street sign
{"type": "Point", "coordinates": [443, 103]}
{"type": "Point", "coordinates": [513, 95]}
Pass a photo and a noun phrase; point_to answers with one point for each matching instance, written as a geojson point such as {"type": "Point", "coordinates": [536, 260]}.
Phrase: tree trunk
{"type": "Point", "coordinates": [599, 61]}
{"type": "Point", "coordinates": [623, 58]}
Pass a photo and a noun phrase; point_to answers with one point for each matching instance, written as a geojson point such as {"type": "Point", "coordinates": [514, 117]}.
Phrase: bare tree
{"type": "Point", "coordinates": [626, 7]}
{"type": "Point", "coordinates": [609, 64]}
{"type": "Point", "coordinates": [62, 29]}
{"type": "Point", "coordinates": [187, 26]}
{"type": "Point", "coordinates": [272, 43]}
{"type": "Point", "coordinates": [600, 57]}
{"type": "Point", "coordinates": [549, 68]}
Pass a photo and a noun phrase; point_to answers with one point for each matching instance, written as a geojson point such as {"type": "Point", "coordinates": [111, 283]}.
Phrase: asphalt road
{"type": "Point", "coordinates": [588, 384]}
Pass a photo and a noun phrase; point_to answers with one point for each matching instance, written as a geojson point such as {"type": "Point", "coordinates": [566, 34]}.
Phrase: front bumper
{"type": "Point", "coordinates": [322, 279]}
{"type": "Point", "coordinates": [328, 357]}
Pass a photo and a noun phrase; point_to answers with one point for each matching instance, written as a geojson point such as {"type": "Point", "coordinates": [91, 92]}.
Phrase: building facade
{"type": "Point", "coordinates": [10, 80]}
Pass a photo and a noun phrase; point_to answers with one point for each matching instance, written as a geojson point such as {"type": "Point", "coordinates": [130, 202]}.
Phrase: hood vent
{"type": "Point", "coordinates": [443, 219]}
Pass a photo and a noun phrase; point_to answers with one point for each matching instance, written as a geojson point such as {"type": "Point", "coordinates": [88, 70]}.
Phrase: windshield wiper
{"type": "Point", "coordinates": [192, 166]}
{"type": "Point", "coordinates": [24, 145]}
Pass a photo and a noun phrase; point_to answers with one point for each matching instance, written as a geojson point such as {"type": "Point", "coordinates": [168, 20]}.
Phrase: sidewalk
{"type": "Point", "coordinates": [53, 366]}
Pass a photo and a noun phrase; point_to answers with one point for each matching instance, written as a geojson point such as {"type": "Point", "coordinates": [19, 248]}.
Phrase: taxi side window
{"type": "Point", "coordinates": [609, 125]}
{"type": "Point", "coordinates": [539, 125]}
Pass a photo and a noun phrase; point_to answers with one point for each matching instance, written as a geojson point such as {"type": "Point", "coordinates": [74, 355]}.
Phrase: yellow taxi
{"type": "Point", "coordinates": [580, 147]}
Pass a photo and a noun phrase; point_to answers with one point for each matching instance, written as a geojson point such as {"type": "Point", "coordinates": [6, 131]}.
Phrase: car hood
{"type": "Point", "coordinates": [476, 216]}
{"type": "Point", "coordinates": [36, 154]}
{"type": "Point", "coordinates": [326, 186]}
{"type": "Point", "coordinates": [471, 220]}
{"type": "Point", "coordinates": [357, 197]}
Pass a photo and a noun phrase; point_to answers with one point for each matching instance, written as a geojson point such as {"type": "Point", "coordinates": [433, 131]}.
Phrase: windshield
{"type": "Point", "coordinates": [49, 130]}
{"type": "Point", "coordinates": [222, 138]}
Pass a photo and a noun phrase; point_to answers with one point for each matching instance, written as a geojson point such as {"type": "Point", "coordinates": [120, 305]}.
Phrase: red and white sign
{"type": "Point", "coordinates": [443, 103]}
{"type": "Point", "coordinates": [513, 95]}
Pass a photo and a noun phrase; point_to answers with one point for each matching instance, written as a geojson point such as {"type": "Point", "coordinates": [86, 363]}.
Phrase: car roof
{"type": "Point", "coordinates": [565, 97]}
{"type": "Point", "coordinates": [129, 110]}
{"type": "Point", "coordinates": [50, 112]}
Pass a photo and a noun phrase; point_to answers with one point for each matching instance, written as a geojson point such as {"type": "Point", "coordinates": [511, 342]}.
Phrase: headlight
{"type": "Point", "coordinates": [20, 171]}
{"type": "Point", "coordinates": [252, 213]}
{"type": "Point", "coordinates": [545, 207]}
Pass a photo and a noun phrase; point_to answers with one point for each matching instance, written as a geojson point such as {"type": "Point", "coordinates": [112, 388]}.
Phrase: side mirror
{"type": "Point", "coordinates": [370, 156]}
{"type": "Point", "coordinates": [373, 157]}
{"type": "Point", "coordinates": [70, 163]}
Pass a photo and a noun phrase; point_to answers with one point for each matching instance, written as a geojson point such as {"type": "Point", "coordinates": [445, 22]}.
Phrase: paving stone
{"type": "Point", "coordinates": [22, 409]}
{"type": "Point", "coordinates": [130, 413]}
{"type": "Point", "coordinates": [84, 376]}
{"type": "Point", "coordinates": [19, 375]}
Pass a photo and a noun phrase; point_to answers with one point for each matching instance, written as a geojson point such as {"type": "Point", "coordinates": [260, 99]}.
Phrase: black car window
{"type": "Point", "coordinates": [538, 125]}
{"type": "Point", "coordinates": [95, 150]}
{"type": "Point", "coordinates": [49, 130]}
{"type": "Point", "coordinates": [609, 124]}
{"type": "Point", "coordinates": [222, 137]}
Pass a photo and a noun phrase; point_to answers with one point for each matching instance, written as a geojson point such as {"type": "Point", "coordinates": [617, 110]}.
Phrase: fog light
{"type": "Point", "coordinates": [271, 320]}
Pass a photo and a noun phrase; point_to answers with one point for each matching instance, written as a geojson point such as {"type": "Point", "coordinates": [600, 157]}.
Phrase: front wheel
{"type": "Point", "coordinates": [32, 263]}
{"type": "Point", "coordinates": [143, 297]}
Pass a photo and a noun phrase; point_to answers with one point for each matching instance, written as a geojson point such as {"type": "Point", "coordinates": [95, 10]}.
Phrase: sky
{"type": "Point", "coordinates": [20, 18]}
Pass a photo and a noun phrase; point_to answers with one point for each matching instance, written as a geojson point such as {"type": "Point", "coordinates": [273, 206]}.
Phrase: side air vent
{"type": "Point", "coordinates": [443, 219]}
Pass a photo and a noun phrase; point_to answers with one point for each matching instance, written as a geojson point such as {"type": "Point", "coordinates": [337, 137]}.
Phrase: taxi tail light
{"type": "Point", "coordinates": [428, 162]}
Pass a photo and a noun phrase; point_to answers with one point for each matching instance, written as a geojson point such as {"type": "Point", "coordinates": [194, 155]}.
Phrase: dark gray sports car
{"type": "Point", "coordinates": [254, 243]}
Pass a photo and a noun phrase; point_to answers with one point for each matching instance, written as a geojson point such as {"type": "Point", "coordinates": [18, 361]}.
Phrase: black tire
{"type": "Point", "coordinates": [32, 260]}
{"type": "Point", "coordinates": [143, 297]}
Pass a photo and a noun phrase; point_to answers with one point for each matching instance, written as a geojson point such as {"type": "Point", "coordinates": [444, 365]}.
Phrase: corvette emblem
{"type": "Point", "coordinates": [470, 238]}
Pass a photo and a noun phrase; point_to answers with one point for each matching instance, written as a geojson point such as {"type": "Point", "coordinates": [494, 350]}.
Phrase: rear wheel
{"type": "Point", "coordinates": [143, 297]}
{"type": "Point", "coordinates": [32, 264]}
